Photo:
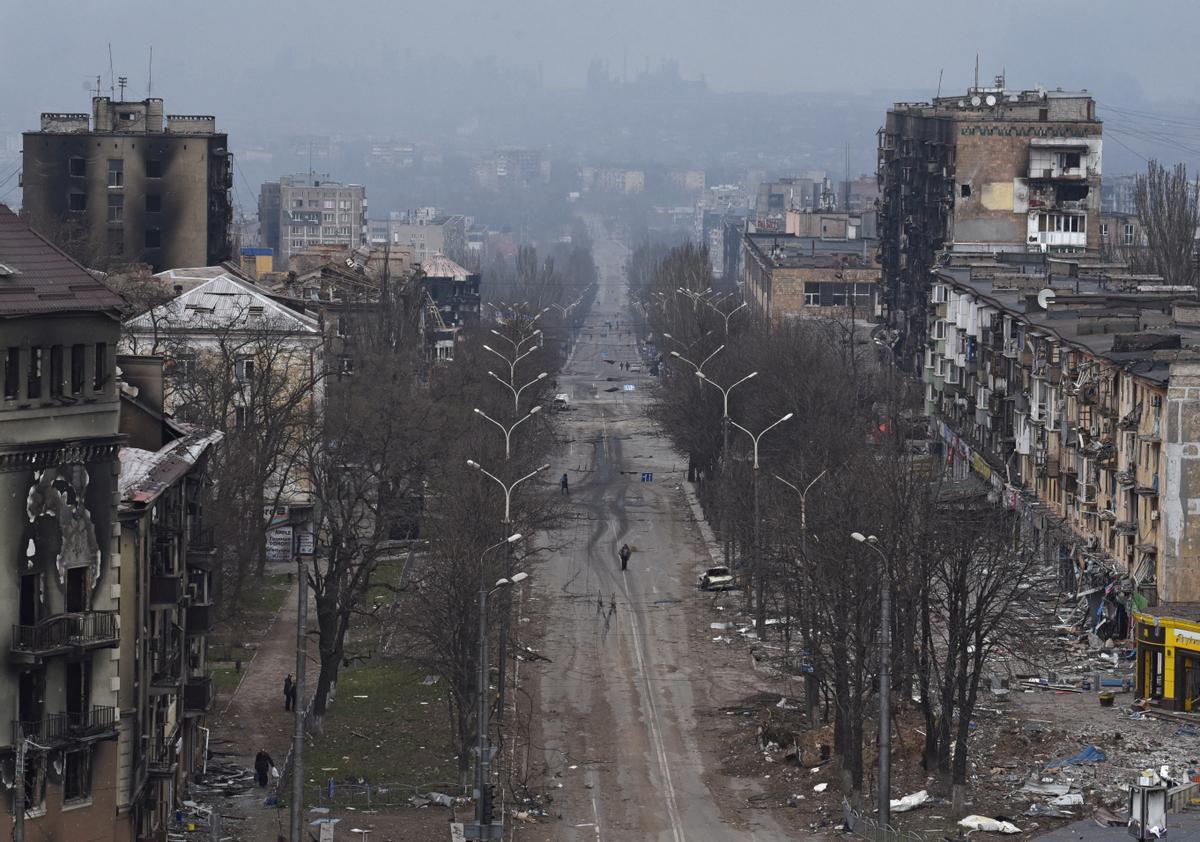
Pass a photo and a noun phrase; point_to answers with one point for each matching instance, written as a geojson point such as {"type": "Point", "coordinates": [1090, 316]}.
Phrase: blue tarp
{"type": "Point", "coordinates": [1091, 754]}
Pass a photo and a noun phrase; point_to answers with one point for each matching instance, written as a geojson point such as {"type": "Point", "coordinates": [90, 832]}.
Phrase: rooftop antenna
{"type": "Point", "coordinates": [150, 76]}
{"type": "Point", "coordinates": [112, 83]}
{"type": "Point", "coordinates": [122, 81]}
{"type": "Point", "coordinates": [977, 71]}
{"type": "Point", "coordinates": [940, 70]}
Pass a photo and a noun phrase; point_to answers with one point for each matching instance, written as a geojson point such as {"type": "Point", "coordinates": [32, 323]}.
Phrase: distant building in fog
{"type": "Point", "coordinates": [131, 185]}
{"type": "Point", "coordinates": [428, 236]}
{"type": "Point", "coordinates": [301, 211]}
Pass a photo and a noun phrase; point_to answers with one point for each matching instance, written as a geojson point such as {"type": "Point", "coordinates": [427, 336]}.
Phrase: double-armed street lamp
{"type": "Point", "coordinates": [699, 368]}
{"type": "Point", "coordinates": [726, 316]}
{"type": "Point", "coordinates": [760, 619]}
{"type": "Point", "coordinates": [516, 392]}
{"type": "Point", "coordinates": [810, 678]}
{"type": "Point", "coordinates": [725, 390]}
{"type": "Point", "coordinates": [484, 827]}
{"type": "Point", "coordinates": [508, 488]}
{"type": "Point", "coordinates": [508, 431]}
{"type": "Point", "coordinates": [885, 678]}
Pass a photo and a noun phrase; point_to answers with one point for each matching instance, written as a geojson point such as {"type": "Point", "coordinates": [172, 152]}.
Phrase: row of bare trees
{"type": "Point", "coordinates": [845, 461]}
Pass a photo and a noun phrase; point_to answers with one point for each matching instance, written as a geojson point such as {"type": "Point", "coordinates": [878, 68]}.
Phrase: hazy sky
{"type": "Point", "coordinates": [1117, 50]}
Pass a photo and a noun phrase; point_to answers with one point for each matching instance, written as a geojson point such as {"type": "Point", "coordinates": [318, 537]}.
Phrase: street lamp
{"type": "Point", "coordinates": [516, 344]}
{"type": "Point", "coordinates": [703, 363]}
{"type": "Point", "coordinates": [508, 431]}
{"type": "Point", "coordinates": [508, 489]}
{"type": "Point", "coordinates": [725, 453]}
{"type": "Point", "coordinates": [885, 680]}
{"type": "Point", "coordinates": [760, 619]}
{"type": "Point", "coordinates": [512, 364]}
{"type": "Point", "coordinates": [810, 678]}
{"type": "Point", "coordinates": [726, 316]}
{"type": "Point", "coordinates": [484, 827]}
{"type": "Point", "coordinates": [516, 393]}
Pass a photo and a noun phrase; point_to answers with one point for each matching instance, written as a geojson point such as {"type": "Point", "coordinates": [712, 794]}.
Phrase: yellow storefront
{"type": "Point", "coordinates": [1168, 661]}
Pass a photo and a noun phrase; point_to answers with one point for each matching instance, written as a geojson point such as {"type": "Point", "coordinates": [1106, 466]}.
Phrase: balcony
{"type": "Point", "coordinates": [198, 695]}
{"type": "Point", "coordinates": [161, 757]}
{"type": "Point", "coordinates": [201, 617]}
{"type": "Point", "coordinates": [61, 729]}
{"type": "Point", "coordinates": [64, 634]}
{"type": "Point", "coordinates": [165, 676]}
{"type": "Point", "coordinates": [202, 557]}
{"type": "Point", "coordinates": [166, 590]}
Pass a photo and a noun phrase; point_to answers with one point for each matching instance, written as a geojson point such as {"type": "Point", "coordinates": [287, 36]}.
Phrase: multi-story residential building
{"type": "Point", "coordinates": [430, 236]}
{"type": "Point", "coordinates": [452, 301]}
{"type": "Point", "coordinates": [130, 186]}
{"type": "Point", "coordinates": [301, 211]}
{"type": "Point", "coordinates": [241, 361]}
{"type": "Point", "coordinates": [167, 602]}
{"type": "Point", "coordinates": [61, 684]}
{"type": "Point", "coordinates": [812, 191]}
{"type": "Point", "coordinates": [787, 277]}
{"type": "Point", "coordinates": [992, 171]}
{"type": "Point", "coordinates": [1076, 397]}
{"type": "Point", "coordinates": [831, 225]}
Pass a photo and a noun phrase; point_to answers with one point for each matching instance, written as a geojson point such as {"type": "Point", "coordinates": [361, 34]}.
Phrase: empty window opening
{"type": "Point", "coordinates": [153, 203]}
{"type": "Point", "coordinates": [964, 190]}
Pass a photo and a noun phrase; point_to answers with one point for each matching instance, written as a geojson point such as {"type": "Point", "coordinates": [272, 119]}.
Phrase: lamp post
{"type": "Point", "coordinates": [517, 355]}
{"type": "Point", "coordinates": [516, 393]}
{"type": "Point", "coordinates": [508, 431]}
{"type": "Point", "coordinates": [726, 316]}
{"type": "Point", "coordinates": [508, 489]}
{"type": "Point", "coordinates": [760, 608]}
{"type": "Point", "coordinates": [885, 679]}
{"type": "Point", "coordinates": [725, 455]}
{"type": "Point", "coordinates": [810, 677]}
{"type": "Point", "coordinates": [483, 827]}
{"type": "Point", "coordinates": [703, 362]}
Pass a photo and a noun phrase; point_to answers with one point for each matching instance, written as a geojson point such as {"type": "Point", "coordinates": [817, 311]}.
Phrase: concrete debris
{"type": "Point", "coordinates": [820, 787]}
{"type": "Point", "coordinates": [1071, 799]}
{"type": "Point", "coordinates": [1039, 788]}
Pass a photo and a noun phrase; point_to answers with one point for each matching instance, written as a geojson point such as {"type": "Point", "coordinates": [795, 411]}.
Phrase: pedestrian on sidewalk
{"type": "Point", "coordinates": [564, 484]}
{"type": "Point", "coordinates": [289, 693]}
{"type": "Point", "coordinates": [263, 764]}
{"type": "Point", "coordinates": [624, 554]}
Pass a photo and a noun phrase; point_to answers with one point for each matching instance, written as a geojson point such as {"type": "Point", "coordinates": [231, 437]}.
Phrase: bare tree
{"type": "Point", "coordinates": [1169, 211]}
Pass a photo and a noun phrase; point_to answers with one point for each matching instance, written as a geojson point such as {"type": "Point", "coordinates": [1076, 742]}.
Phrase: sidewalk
{"type": "Point", "coordinates": [254, 719]}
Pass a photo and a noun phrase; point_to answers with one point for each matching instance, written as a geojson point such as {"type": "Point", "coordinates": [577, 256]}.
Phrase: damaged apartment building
{"type": "Point", "coordinates": [1076, 395]}
{"type": "Point", "coordinates": [994, 170]}
{"type": "Point", "coordinates": [104, 684]}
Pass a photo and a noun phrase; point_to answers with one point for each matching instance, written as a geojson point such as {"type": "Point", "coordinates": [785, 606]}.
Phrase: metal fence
{"type": "Point", "coordinates": [867, 827]}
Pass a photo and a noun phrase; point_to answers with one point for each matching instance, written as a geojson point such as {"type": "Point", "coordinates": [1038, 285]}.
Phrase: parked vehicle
{"type": "Point", "coordinates": [562, 402]}
{"type": "Point", "coordinates": [717, 579]}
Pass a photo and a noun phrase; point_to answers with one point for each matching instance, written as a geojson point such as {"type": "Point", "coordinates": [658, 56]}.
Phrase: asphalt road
{"type": "Point", "coordinates": [621, 700]}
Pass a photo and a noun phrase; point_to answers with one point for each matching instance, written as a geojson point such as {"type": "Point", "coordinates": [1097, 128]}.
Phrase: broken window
{"type": "Point", "coordinates": [77, 368]}
{"type": "Point", "coordinates": [153, 238]}
{"type": "Point", "coordinates": [116, 172]}
{"type": "Point", "coordinates": [243, 368]}
{"type": "Point", "coordinates": [153, 203]}
{"type": "Point", "coordinates": [154, 168]}
{"type": "Point", "coordinates": [77, 201]}
{"type": "Point", "coordinates": [965, 191]}
{"type": "Point", "coordinates": [346, 364]}
{"type": "Point", "coordinates": [56, 371]}
{"type": "Point", "coordinates": [77, 166]}
{"type": "Point", "coordinates": [241, 418]}
{"type": "Point", "coordinates": [12, 373]}
{"type": "Point", "coordinates": [116, 209]}
{"type": "Point", "coordinates": [77, 774]}
{"type": "Point", "coordinates": [1071, 160]}
{"type": "Point", "coordinates": [100, 369]}
{"type": "Point", "coordinates": [33, 381]}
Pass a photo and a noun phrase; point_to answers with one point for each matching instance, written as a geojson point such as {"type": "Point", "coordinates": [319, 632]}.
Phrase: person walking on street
{"type": "Point", "coordinates": [289, 692]}
{"type": "Point", "coordinates": [263, 764]}
{"type": "Point", "coordinates": [564, 485]}
{"type": "Point", "coordinates": [625, 553]}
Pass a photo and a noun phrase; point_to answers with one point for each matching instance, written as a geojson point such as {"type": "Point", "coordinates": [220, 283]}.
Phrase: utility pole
{"type": "Point", "coordinates": [483, 793]}
{"type": "Point", "coordinates": [298, 705]}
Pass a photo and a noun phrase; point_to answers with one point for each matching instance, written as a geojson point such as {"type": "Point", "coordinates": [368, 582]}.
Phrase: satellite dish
{"type": "Point", "coordinates": [991, 99]}
{"type": "Point", "coordinates": [1045, 298]}
{"type": "Point", "coordinates": [976, 101]}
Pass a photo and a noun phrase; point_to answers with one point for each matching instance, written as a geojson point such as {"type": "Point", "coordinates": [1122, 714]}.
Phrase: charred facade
{"type": "Point", "coordinates": [130, 185]}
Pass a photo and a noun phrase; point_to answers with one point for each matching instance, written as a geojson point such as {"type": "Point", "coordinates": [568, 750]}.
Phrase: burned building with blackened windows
{"type": "Point", "coordinates": [129, 184]}
{"type": "Point", "coordinates": [989, 172]}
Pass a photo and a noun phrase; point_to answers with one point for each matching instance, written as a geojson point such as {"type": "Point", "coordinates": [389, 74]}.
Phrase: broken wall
{"type": "Point", "coordinates": [1179, 562]}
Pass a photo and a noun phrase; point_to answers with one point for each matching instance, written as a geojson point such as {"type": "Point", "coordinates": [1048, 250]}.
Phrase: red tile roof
{"type": "Point", "coordinates": [41, 278]}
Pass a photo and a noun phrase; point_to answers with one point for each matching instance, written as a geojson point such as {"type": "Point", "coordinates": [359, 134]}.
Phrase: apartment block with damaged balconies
{"type": "Point", "coordinates": [1078, 395]}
